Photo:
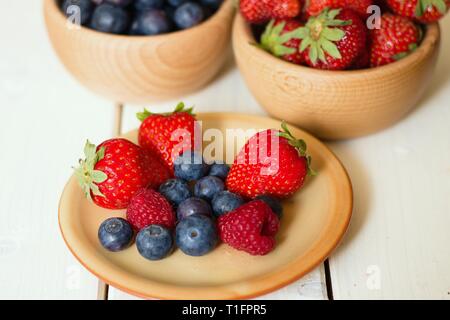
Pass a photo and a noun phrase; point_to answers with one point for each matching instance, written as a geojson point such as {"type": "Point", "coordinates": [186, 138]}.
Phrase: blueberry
{"type": "Point", "coordinates": [176, 3]}
{"type": "Point", "coordinates": [193, 206]}
{"type": "Point", "coordinates": [154, 242]}
{"type": "Point", "coordinates": [225, 202]}
{"type": "Point", "coordinates": [83, 7]}
{"type": "Point", "coordinates": [207, 187]}
{"type": "Point", "coordinates": [273, 203]}
{"type": "Point", "coordinates": [170, 11]}
{"type": "Point", "coordinates": [196, 235]}
{"type": "Point", "coordinates": [110, 18]}
{"type": "Point", "coordinates": [215, 4]}
{"type": "Point", "coordinates": [175, 191]}
{"type": "Point", "coordinates": [142, 5]}
{"type": "Point", "coordinates": [219, 170]}
{"type": "Point", "coordinates": [188, 15]}
{"type": "Point", "coordinates": [190, 166]}
{"type": "Point", "coordinates": [115, 234]}
{"type": "Point", "coordinates": [151, 22]}
{"type": "Point", "coordinates": [120, 3]}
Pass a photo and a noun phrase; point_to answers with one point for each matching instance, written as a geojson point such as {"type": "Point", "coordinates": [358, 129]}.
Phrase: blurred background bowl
{"type": "Point", "coordinates": [335, 104]}
{"type": "Point", "coordinates": [141, 69]}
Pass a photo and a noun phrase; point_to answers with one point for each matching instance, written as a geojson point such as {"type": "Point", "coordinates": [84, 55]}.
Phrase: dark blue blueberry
{"type": "Point", "coordinates": [115, 234]}
{"type": "Point", "coordinates": [207, 187]}
{"type": "Point", "coordinates": [83, 7]}
{"type": "Point", "coordinates": [176, 3]}
{"type": "Point", "coordinates": [219, 170]}
{"type": "Point", "coordinates": [193, 206]}
{"type": "Point", "coordinates": [175, 191]}
{"type": "Point", "coordinates": [154, 242]}
{"type": "Point", "coordinates": [190, 166]}
{"type": "Point", "coordinates": [170, 11]}
{"type": "Point", "coordinates": [110, 18]}
{"type": "Point", "coordinates": [142, 5]}
{"type": "Point", "coordinates": [215, 4]}
{"type": "Point", "coordinates": [273, 203]}
{"type": "Point", "coordinates": [151, 22]}
{"type": "Point", "coordinates": [120, 3]}
{"type": "Point", "coordinates": [188, 15]}
{"type": "Point", "coordinates": [196, 235]}
{"type": "Point", "coordinates": [225, 202]}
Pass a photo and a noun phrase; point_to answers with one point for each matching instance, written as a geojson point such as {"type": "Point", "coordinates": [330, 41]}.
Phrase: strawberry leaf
{"type": "Point", "coordinates": [142, 116]}
{"type": "Point", "coordinates": [273, 39]}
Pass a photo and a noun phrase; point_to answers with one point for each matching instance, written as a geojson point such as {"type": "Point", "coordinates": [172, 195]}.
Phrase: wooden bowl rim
{"type": "Point", "coordinates": [287, 276]}
{"type": "Point", "coordinates": [50, 6]}
{"type": "Point", "coordinates": [431, 38]}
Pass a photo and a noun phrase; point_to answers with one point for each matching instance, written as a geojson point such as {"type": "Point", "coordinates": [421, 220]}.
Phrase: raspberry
{"type": "Point", "coordinates": [250, 228]}
{"type": "Point", "coordinates": [150, 207]}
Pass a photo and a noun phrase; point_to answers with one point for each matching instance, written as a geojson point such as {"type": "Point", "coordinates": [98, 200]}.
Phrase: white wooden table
{"type": "Point", "coordinates": [398, 242]}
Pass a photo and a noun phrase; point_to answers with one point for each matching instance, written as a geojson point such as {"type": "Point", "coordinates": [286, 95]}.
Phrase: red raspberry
{"type": "Point", "coordinates": [250, 228]}
{"type": "Point", "coordinates": [149, 207]}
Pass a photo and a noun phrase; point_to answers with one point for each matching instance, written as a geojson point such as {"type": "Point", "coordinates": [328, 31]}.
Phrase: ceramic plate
{"type": "Point", "coordinates": [314, 222]}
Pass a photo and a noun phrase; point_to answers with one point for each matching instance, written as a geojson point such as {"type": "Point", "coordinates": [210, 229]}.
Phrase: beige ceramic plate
{"type": "Point", "coordinates": [314, 222]}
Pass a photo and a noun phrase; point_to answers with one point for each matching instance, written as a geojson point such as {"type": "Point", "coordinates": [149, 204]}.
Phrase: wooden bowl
{"type": "Point", "coordinates": [141, 69]}
{"type": "Point", "coordinates": [313, 224]}
{"type": "Point", "coordinates": [335, 104]}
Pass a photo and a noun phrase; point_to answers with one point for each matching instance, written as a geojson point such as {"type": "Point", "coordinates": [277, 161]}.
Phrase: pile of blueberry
{"type": "Point", "coordinates": [140, 17]}
{"type": "Point", "coordinates": [198, 196]}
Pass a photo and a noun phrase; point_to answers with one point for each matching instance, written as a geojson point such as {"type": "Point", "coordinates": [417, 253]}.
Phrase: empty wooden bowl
{"type": "Point", "coordinates": [335, 104]}
{"type": "Point", "coordinates": [142, 69]}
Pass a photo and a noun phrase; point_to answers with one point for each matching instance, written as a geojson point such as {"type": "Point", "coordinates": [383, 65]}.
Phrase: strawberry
{"type": "Point", "coordinates": [272, 163]}
{"type": "Point", "coordinates": [260, 11]}
{"type": "Point", "coordinates": [113, 172]}
{"type": "Point", "coordinates": [251, 228]}
{"type": "Point", "coordinates": [424, 11]}
{"type": "Point", "coordinates": [362, 62]}
{"type": "Point", "coordinates": [280, 38]}
{"type": "Point", "coordinates": [315, 7]}
{"type": "Point", "coordinates": [396, 38]}
{"type": "Point", "coordinates": [169, 134]}
{"type": "Point", "coordinates": [150, 207]}
{"type": "Point", "coordinates": [333, 40]}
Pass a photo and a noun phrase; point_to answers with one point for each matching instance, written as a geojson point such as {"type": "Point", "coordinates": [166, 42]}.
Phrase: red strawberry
{"type": "Point", "coordinates": [254, 11]}
{"type": "Point", "coordinates": [280, 38]}
{"type": "Point", "coordinates": [150, 207]}
{"type": "Point", "coordinates": [271, 163]}
{"type": "Point", "coordinates": [396, 38]}
{"type": "Point", "coordinates": [315, 7]}
{"type": "Point", "coordinates": [168, 134]}
{"type": "Point", "coordinates": [250, 228]}
{"type": "Point", "coordinates": [113, 172]}
{"type": "Point", "coordinates": [362, 62]}
{"type": "Point", "coordinates": [333, 40]}
{"type": "Point", "coordinates": [283, 9]}
{"type": "Point", "coordinates": [424, 11]}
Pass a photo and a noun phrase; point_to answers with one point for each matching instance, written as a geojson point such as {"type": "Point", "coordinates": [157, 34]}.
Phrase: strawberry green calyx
{"type": "Point", "coordinates": [87, 176]}
{"type": "Point", "coordinates": [321, 33]}
{"type": "Point", "coordinates": [424, 5]}
{"type": "Point", "coordinates": [179, 108]}
{"type": "Point", "coordinates": [299, 145]}
{"type": "Point", "coordinates": [273, 41]}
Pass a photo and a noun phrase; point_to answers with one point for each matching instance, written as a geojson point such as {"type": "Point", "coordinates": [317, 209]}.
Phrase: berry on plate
{"type": "Point", "coordinates": [219, 170]}
{"type": "Point", "coordinates": [154, 242]}
{"type": "Point", "coordinates": [397, 37]}
{"type": "Point", "coordinates": [273, 203]}
{"type": "Point", "coordinates": [272, 162]}
{"type": "Point", "coordinates": [207, 187]}
{"type": "Point", "coordinates": [175, 191]}
{"type": "Point", "coordinates": [250, 228]}
{"type": "Point", "coordinates": [282, 39]}
{"type": "Point", "coordinates": [226, 201]}
{"type": "Point", "coordinates": [115, 234]}
{"type": "Point", "coordinates": [110, 18]}
{"type": "Point", "coordinates": [167, 134]}
{"type": "Point", "coordinates": [315, 7]}
{"type": "Point", "coordinates": [333, 40]}
{"type": "Point", "coordinates": [196, 235]}
{"type": "Point", "coordinates": [424, 11]}
{"type": "Point", "coordinates": [193, 206]}
{"type": "Point", "coordinates": [190, 166]}
{"type": "Point", "coordinates": [150, 207]}
{"type": "Point", "coordinates": [112, 172]}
